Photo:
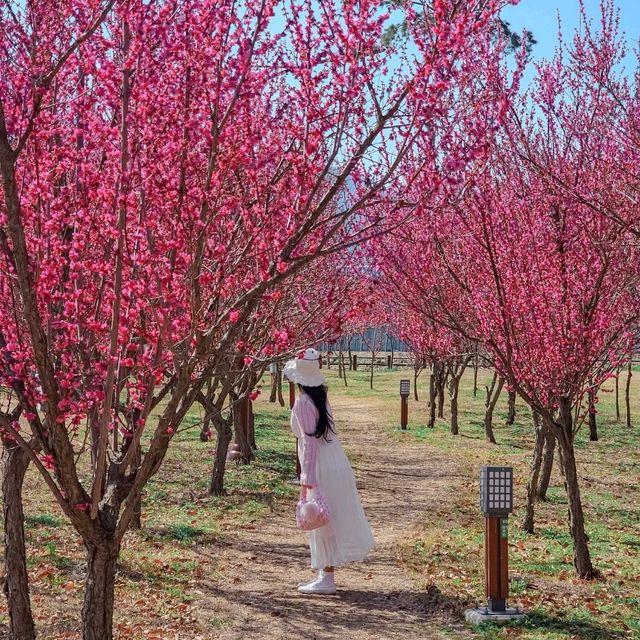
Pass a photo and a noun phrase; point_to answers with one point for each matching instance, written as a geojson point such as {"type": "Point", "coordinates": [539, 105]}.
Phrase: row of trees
{"type": "Point", "coordinates": [183, 182]}
{"type": "Point", "coordinates": [533, 261]}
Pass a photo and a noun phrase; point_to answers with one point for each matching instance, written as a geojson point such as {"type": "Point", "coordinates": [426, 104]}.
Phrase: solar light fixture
{"type": "Point", "coordinates": [496, 491]}
{"type": "Point", "coordinates": [405, 386]}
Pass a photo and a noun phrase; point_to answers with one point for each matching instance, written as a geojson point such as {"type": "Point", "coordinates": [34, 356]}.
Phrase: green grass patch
{"type": "Point", "coordinates": [42, 520]}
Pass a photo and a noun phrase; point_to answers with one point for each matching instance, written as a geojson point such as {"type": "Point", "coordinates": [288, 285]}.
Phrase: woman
{"type": "Point", "coordinates": [326, 469]}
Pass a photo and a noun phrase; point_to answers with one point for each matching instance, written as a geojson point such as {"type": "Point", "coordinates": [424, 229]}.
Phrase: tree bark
{"type": "Point", "coordinates": [433, 391]}
{"type": "Point", "coordinates": [493, 395]}
{"type": "Point", "coordinates": [274, 387]}
{"type": "Point", "coordinates": [618, 394]}
{"type": "Point", "coordinates": [511, 405]}
{"type": "Point", "coordinates": [455, 371]}
{"type": "Point", "coordinates": [454, 388]}
{"type": "Point", "coordinates": [224, 434]}
{"type": "Point", "coordinates": [205, 432]}
{"type": "Point", "coordinates": [97, 611]}
{"type": "Point", "coordinates": [534, 473]}
{"type": "Point", "coordinates": [251, 418]}
{"type": "Point", "coordinates": [581, 555]}
{"type": "Point", "coordinates": [136, 518]}
{"type": "Point", "coordinates": [441, 383]}
{"type": "Point", "coordinates": [206, 403]}
{"type": "Point", "coordinates": [280, 396]}
{"type": "Point", "coordinates": [593, 426]}
{"type": "Point", "coordinates": [241, 429]}
{"type": "Point", "coordinates": [15, 461]}
{"type": "Point", "coordinates": [371, 375]}
{"type": "Point", "coordinates": [627, 394]}
{"type": "Point", "coordinates": [415, 385]}
{"type": "Point", "coordinates": [475, 375]}
{"type": "Point", "coordinates": [547, 465]}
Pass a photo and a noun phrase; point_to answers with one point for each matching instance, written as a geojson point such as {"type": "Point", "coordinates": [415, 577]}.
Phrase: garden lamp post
{"type": "Point", "coordinates": [496, 503]}
{"type": "Point", "coordinates": [405, 386]}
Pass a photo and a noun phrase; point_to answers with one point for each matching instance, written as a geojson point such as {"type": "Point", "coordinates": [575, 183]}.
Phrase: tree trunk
{"type": "Point", "coordinates": [547, 465]}
{"type": "Point", "coordinates": [534, 473]}
{"type": "Point", "coordinates": [493, 394]}
{"type": "Point", "coordinates": [350, 355]}
{"type": "Point", "coordinates": [371, 377]}
{"type": "Point", "coordinates": [618, 394]}
{"type": "Point", "coordinates": [433, 391]}
{"type": "Point", "coordinates": [415, 385]}
{"type": "Point", "coordinates": [627, 395]}
{"type": "Point", "coordinates": [581, 555]}
{"type": "Point", "coordinates": [97, 611]}
{"type": "Point", "coordinates": [15, 461]}
{"type": "Point", "coordinates": [224, 434]}
{"type": "Point", "coordinates": [241, 429]}
{"type": "Point", "coordinates": [205, 432]}
{"type": "Point", "coordinates": [340, 364]}
{"type": "Point", "coordinates": [136, 518]}
{"type": "Point", "coordinates": [274, 387]}
{"type": "Point", "coordinates": [475, 375]}
{"type": "Point", "coordinates": [593, 427]}
{"type": "Point", "coordinates": [511, 404]}
{"type": "Point", "coordinates": [280, 396]}
{"type": "Point", "coordinates": [251, 419]}
{"type": "Point", "coordinates": [441, 400]}
{"type": "Point", "coordinates": [454, 388]}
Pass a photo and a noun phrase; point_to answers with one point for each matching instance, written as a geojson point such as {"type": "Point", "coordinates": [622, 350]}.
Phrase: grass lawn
{"type": "Point", "coordinates": [163, 566]}
{"type": "Point", "coordinates": [168, 566]}
{"type": "Point", "coordinates": [447, 548]}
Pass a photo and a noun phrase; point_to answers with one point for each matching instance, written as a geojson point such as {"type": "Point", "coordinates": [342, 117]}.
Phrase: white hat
{"type": "Point", "coordinates": [305, 369]}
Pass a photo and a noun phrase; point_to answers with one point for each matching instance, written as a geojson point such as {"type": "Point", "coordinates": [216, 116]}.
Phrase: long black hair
{"type": "Point", "coordinates": [325, 424]}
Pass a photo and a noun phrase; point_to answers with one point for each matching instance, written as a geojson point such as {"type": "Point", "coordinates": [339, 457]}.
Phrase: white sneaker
{"type": "Point", "coordinates": [324, 585]}
{"type": "Point", "coordinates": [306, 583]}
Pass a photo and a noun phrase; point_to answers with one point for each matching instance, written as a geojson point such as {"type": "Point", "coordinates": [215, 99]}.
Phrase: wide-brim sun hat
{"type": "Point", "coordinates": [305, 369]}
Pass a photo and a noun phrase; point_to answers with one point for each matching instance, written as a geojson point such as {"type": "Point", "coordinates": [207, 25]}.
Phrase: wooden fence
{"type": "Point", "coordinates": [362, 360]}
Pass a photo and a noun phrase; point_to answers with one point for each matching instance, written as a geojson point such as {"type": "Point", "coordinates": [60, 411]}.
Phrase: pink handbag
{"type": "Point", "coordinates": [312, 513]}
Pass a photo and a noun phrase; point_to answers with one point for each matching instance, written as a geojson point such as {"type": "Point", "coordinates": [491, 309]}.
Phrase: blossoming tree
{"type": "Point", "coordinates": [167, 165]}
{"type": "Point", "coordinates": [527, 261]}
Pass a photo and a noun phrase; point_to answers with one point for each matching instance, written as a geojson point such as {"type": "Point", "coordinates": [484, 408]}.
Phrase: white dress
{"type": "Point", "coordinates": [348, 536]}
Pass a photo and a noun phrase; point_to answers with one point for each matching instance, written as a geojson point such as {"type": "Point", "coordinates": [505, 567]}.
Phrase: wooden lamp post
{"type": "Point", "coordinates": [405, 387]}
{"type": "Point", "coordinates": [496, 503]}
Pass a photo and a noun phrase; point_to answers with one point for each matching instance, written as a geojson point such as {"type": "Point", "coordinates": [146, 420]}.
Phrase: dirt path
{"type": "Point", "coordinates": [376, 599]}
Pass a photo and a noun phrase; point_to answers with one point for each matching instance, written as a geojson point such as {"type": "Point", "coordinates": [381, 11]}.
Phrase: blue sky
{"type": "Point", "coordinates": [541, 17]}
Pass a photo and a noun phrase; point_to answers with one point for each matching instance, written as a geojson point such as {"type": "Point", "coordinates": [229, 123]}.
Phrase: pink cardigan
{"type": "Point", "coordinates": [304, 420]}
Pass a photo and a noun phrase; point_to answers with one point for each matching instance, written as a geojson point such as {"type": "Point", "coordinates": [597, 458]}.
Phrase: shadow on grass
{"type": "Point", "coordinates": [572, 627]}
{"type": "Point", "coordinates": [282, 462]}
